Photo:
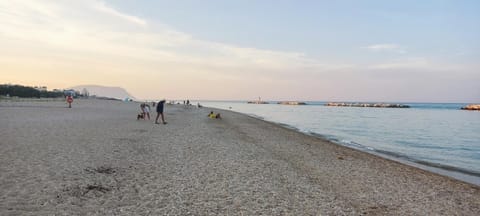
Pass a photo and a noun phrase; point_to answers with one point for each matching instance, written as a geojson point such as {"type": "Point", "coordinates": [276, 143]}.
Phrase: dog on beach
{"type": "Point", "coordinates": [140, 116]}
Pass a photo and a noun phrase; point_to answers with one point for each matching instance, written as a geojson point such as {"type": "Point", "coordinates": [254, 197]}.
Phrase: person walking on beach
{"type": "Point", "coordinates": [160, 112]}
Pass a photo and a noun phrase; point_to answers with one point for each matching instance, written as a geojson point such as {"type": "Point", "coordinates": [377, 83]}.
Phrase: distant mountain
{"type": "Point", "coordinates": [104, 91]}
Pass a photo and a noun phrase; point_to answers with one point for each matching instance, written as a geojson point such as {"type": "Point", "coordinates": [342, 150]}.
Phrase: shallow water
{"type": "Point", "coordinates": [433, 135]}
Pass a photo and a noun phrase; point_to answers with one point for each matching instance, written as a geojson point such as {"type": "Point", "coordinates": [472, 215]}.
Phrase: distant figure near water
{"type": "Point", "coordinates": [160, 112]}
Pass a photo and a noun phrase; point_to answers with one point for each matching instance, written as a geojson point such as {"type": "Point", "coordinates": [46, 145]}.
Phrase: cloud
{"type": "Point", "coordinates": [96, 27]}
{"type": "Point", "coordinates": [386, 48]}
{"type": "Point", "coordinates": [419, 63]}
{"type": "Point", "coordinates": [101, 6]}
{"type": "Point", "coordinates": [404, 64]}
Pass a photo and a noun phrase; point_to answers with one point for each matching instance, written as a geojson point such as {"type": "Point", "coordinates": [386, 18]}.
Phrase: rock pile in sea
{"type": "Point", "coordinates": [257, 102]}
{"type": "Point", "coordinates": [291, 103]}
{"type": "Point", "coordinates": [377, 105]}
{"type": "Point", "coordinates": [472, 107]}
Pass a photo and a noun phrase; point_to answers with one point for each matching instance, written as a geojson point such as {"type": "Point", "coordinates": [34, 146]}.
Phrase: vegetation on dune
{"type": "Point", "coordinates": [7, 90]}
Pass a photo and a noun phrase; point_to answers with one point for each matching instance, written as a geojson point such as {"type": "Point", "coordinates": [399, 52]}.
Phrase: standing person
{"type": "Point", "coordinates": [147, 110]}
{"type": "Point", "coordinates": [160, 112]}
{"type": "Point", "coordinates": [69, 101]}
{"type": "Point", "coordinates": [142, 108]}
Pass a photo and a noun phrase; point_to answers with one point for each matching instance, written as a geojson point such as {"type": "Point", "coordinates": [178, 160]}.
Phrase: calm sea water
{"type": "Point", "coordinates": [439, 137]}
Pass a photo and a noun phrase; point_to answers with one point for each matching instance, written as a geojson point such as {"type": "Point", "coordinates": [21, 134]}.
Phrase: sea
{"type": "Point", "coordinates": [438, 137]}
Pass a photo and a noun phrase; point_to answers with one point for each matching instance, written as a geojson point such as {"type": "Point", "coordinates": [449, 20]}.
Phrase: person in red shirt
{"type": "Point", "coordinates": [69, 101]}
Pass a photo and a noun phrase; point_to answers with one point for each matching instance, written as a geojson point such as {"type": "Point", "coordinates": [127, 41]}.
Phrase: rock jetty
{"type": "Point", "coordinates": [259, 101]}
{"type": "Point", "coordinates": [376, 105]}
{"type": "Point", "coordinates": [291, 103]}
{"type": "Point", "coordinates": [472, 107]}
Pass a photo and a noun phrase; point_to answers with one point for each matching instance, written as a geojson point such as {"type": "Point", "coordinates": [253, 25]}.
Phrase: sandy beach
{"type": "Point", "coordinates": [97, 159]}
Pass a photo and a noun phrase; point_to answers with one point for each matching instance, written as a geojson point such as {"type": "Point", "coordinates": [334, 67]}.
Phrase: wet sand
{"type": "Point", "coordinates": [97, 159]}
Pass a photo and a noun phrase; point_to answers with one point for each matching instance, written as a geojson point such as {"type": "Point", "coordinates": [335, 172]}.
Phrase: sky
{"type": "Point", "coordinates": [404, 51]}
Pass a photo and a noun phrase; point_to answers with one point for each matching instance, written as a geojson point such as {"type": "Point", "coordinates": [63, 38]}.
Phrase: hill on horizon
{"type": "Point", "coordinates": [105, 91]}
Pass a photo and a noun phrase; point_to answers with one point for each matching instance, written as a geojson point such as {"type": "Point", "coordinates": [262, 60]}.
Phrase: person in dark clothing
{"type": "Point", "coordinates": [160, 112]}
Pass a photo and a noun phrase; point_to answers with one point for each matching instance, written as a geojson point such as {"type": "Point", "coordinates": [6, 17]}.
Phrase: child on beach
{"type": "Point", "coordinates": [69, 101]}
{"type": "Point", "coordinates": [142, 110]}
{"type": "Point", "coordinates": [146, 110]}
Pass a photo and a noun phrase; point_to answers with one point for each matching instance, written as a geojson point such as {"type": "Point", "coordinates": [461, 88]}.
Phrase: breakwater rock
{"type": "Point", "coordinates": [291, 103]}
{"type": "Point", "coordinates": [257, 102]}
{"type": "Point", "coordinates": [472, 107]}
{"type": "Point", "coordinates": [375, 105]}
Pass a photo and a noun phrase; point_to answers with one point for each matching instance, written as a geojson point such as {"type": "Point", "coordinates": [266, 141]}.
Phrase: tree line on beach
{"type": "Point", "coordinates": [8, 90]}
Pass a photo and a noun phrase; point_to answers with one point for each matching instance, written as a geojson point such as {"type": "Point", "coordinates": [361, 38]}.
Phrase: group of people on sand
{"type": "Point", "coordinates": [145, 111]}
{"type": "Point", "coordinates": [145, 108]}
{"type": "Point", "coordinates": [214, 116]}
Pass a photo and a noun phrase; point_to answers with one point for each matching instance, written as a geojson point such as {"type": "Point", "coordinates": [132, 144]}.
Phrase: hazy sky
{"type": "Point", "coordinates": [354, 50]}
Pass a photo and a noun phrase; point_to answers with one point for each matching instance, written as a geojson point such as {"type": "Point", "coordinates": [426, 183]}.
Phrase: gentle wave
{"type": "Point", "coordinates": [396, 155]}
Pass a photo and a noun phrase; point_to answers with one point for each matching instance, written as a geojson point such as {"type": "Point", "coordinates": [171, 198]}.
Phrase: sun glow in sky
{"type": "Point", "coordinates": [280, 50]}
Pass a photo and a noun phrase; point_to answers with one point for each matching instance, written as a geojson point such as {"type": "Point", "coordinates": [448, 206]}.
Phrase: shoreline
{"type": "Point", "coordinates": [456, 173]}
{"type": "Point", "coordinates": [97, 159]}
